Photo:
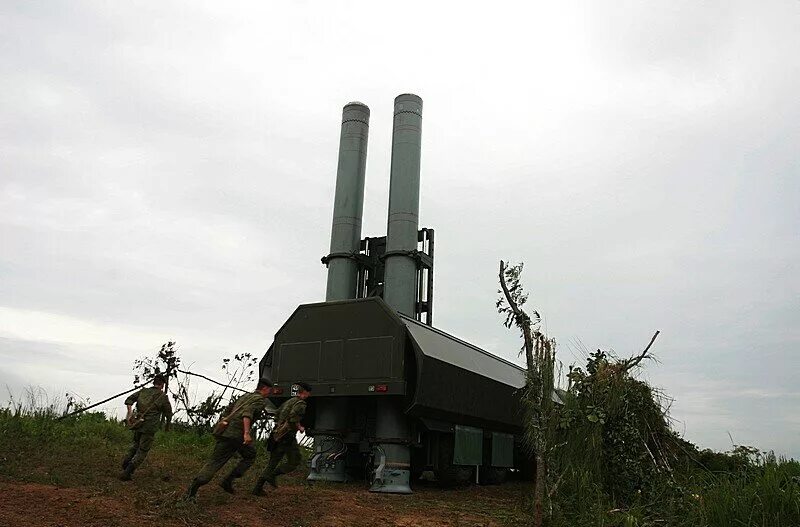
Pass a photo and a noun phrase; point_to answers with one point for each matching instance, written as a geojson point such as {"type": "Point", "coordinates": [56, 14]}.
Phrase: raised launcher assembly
{"type": "Point", "coordinates": [392, 393]}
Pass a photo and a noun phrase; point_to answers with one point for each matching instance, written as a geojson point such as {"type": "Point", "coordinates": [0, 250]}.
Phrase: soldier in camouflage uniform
{"type": "Point", "coordinates": [234, 438]}
{"type": "Point", "coordinates": [288, 421]}
{"type": "Point", "coordinates": [151, 404]}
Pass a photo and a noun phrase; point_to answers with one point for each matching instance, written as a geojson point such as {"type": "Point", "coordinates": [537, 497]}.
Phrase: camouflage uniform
{"type": "Point", "coordinates": [291, 412]}
{"type": "Point", "coordinates": [151, 405]}
{"type": "Point", "coordinates": [231, 441]}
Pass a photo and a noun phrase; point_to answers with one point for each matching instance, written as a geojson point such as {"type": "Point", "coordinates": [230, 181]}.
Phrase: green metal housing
{"type": "Point", "coordinates": [394, 396]}
{"type": "Point", "coordinates": [363, 348]}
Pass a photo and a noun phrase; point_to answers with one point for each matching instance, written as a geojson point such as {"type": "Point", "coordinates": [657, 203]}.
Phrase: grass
{"type": "Point", "coordinates": [766, 495]}
{"type": "Point", "coordinates": [757, 493]}
{"type": "Point", "coordinates": [763, 496]}
{"type": "Point", "coordinates": [85, 451]}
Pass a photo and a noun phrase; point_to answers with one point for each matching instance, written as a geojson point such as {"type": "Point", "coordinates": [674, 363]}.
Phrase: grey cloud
{"type": "Point", "coordinates": [171, 167]}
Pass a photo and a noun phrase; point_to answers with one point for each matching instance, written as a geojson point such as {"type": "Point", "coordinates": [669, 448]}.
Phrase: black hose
{"type": "Point", "coordinates": [81, 410]}
{"type": "Point", "coordinates": [211, 380]}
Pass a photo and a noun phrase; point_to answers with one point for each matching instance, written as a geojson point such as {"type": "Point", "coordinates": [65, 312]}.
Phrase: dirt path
{"type": "Point", "coordinates": [294, 505]}
{"type": "Point", "coordinates": [31, 504]}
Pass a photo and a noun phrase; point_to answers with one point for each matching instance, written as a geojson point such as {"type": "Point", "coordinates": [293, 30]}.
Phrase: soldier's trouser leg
{"type": "Point", "coordinates": [224, 449]}
{"type": "Point", "coordinates": [131, 451]}
{"type": "Point", "coordinates": [275, 457]}
{"type": "Point", "coordinates": [292, 459]}
{"type": "Point", "coordinates": [145, 441]}
{"type": "Point", "coordinates": [248, 453]}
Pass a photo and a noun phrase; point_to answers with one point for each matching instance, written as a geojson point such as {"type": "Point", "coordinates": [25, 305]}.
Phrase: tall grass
{"type": "Point", "coordinates": [766, 494]}
{"type": "Point", "coordinates": [763, 496]}
{"type": "Point", "coordinates": [35, 445]}
{"type": "Point", "coordinates": [85, 449]}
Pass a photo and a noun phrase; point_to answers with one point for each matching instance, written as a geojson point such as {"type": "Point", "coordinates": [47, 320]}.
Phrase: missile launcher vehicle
{"type": "Point", "coordinates": [393, 397]}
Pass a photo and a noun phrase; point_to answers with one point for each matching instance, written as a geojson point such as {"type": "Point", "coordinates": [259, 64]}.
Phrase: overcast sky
{"type": "Point", "coordinates": [167, 172]}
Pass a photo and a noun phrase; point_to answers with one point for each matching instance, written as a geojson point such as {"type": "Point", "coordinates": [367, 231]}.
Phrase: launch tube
{"type": "Point", "coordinates": [403, 220]}
{"type": "Point", "coordinates": [348, 205]}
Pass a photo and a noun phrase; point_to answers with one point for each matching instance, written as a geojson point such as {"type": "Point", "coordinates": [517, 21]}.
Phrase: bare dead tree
{"type": "Point", "coordinates": [540, 378]}
{"type": "Point", "coordinates": [635, 360]}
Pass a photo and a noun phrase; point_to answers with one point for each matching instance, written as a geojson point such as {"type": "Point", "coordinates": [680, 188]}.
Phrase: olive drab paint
{"type": "Point", "coordinates": [348, 209]}
{"type": "Point", "coordinates": [403, 221]}
{"type": "Point", "coordinates": [392, 463]}
{"type": "Point", "coordinates": [348, 202]}
{"type": "Point", "coordinates": [383, 378]}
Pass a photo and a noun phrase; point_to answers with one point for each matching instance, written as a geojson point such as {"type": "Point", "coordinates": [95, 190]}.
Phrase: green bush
{"type": "Point", "coordinates": [618, 463]}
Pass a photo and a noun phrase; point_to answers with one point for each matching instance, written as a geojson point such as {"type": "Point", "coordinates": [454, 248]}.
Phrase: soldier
{"type": "Point", "coordinates": [283, 440]}
{"type": "Point", "coordinates": [151, 405]}
{"type": "Point", "coordinates": [232, 435]}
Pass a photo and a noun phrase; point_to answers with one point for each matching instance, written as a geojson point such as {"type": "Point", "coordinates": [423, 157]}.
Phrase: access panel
{"type": "Point", "coordinates": [468, 446]}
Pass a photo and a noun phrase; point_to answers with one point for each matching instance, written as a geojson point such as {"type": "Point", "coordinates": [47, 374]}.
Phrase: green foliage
{"type": "Point", "coordinates": [766, 494]}
{"type": "Point", "coordinates": [166, 362]}
{"type": "Point", "coordinates": [627, 423]}
{"type": "Point", "coordinates": [239, 372]}
{"type": "Point", "coordinates": [620, 464]}
{"type": "Point", "coordinates": [540, 415]}
{"type": "Point", "coordinates": [610, 457]}
{"type": "Point", "coordinates": [513, 278]}
{"type": "Point", "coordinates": [510, 304]}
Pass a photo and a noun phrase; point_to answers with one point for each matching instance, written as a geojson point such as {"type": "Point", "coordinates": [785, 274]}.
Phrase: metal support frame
{"type": "Point", "coordinates": [392, 473]}
{"type": "Point", "coordinates": [424, 303]}
{"type": "Point", "coordinates": [371, 258]}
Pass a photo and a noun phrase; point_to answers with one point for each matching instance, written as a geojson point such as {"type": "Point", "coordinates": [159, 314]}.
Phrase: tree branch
{"type": "Point", "coordinates": [512, 304]}
{"type": "Point", "coordinates": [634, 361]}
{"type": "Point", "coordinates": [521, 318]}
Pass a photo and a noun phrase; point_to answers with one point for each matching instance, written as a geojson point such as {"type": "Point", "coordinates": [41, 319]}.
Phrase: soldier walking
{"type": "Point", "coordinates": [283, 440]}
{"type": "Point", "coordinates": [232, 436]}
{"type": "Point", "coordinates": [151, 404]}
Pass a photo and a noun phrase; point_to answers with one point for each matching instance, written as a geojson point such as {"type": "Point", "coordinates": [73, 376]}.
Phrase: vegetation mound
{"type": "Point", "coordinates": [616, 461]}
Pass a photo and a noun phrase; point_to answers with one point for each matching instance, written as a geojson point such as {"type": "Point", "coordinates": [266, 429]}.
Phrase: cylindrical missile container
{"type": "Point", "coordinates": [348, 207]}
{"type": "Point", "coordinates": [348, 204]}
{"type": "Point", "coordinates": [392, 461]}
{"type": "Point", "coordinates": [403, 222]}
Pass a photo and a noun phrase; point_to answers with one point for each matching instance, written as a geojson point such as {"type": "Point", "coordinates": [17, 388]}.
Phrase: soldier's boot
{"type": "Point", "coordinates": [127, 474]}
{"type": "Point", "coordinates": [127, 460]}
{"type": "Point", "coordinates": [191, 492]}
{"type": "Point", "coordinates": [258, 490]}
{"type": "Point", "coordinates": [272, 479]}
{"type": "Point", "coordinates": [227, 484]}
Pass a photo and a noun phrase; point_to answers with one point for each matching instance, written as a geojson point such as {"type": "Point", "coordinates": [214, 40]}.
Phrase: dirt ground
{"type": "Point", "coordinates": [295, 504]}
